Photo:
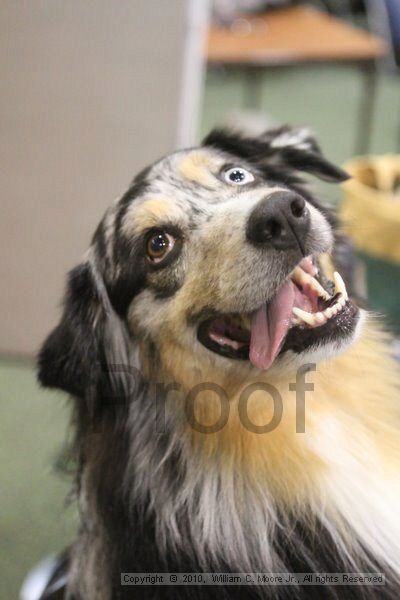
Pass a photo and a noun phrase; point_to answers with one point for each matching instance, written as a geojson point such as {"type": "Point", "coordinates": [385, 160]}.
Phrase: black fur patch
{"type": "Point", "coordinates": [70, 354]}
{"type": "Point", "coordinates": [278, 161]}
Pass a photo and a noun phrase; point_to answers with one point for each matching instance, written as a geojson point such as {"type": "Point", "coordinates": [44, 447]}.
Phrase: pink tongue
{"type": "Point", "coordinates": [269, 326]}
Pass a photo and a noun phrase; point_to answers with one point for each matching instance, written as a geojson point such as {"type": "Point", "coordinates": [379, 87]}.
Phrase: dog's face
{"type": "Point", "coordinates": [215, 260]}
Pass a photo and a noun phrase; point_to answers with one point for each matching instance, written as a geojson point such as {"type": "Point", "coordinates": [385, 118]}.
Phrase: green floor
{"type": "Point", "coordinates": [33, 519]}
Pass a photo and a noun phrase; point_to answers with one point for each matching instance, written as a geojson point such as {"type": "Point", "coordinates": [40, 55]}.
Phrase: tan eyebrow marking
{"type": "Point", "coordinates": [150, 213]}
{"type": "Point", "coordinates": [197, 167]}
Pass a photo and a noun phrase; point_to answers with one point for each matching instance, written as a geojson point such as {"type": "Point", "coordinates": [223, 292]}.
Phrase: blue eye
{"type": "Point", "coordinates": [238, 176]}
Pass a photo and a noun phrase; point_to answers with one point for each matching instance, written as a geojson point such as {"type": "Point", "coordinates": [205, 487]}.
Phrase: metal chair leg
{"type": "Point", "coordinates": [366, 109]}
{"type": "Point", "coordinates": [253, 81]}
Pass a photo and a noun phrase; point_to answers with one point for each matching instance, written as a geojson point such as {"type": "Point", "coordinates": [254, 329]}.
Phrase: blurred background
{"type": "Point", "coordinates": [90, 94]}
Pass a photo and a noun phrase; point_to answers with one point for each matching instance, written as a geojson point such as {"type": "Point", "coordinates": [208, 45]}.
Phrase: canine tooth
{"type": "Point", "coordinates": [319, 289]}
{"type": "Point", "coordinates": [303, 278]}
{"type": "Point", "coordinates": [328, 312]}
{"type": "Point", "coordinates": [299, 276]}
{"type": "Point", "coordinates": [340, 286]}
{"type": "Point", "coordinates": [342, 301]}
{"type": "Point", "coordinates": [304, 316]}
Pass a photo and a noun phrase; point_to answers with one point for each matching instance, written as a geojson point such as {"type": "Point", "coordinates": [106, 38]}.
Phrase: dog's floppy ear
{"type": "Point", "coordinates": [90, 340]}
{"type": "Point", "coordinates": [68, 357]}
{"type": "Point", "coordinates": [295, 148]}
{"type": "Point", "coordinates": [299, 149]}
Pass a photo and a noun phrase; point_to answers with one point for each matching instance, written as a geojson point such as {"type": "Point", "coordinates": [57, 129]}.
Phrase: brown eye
{"type": "Point", "coordinates": [159, 245]}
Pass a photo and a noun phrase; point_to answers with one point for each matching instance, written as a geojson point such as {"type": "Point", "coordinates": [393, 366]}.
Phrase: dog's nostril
{"type": "Point", "coordinates": [272, 229]}
{"type": "Point", "coordinates": [297, 207]}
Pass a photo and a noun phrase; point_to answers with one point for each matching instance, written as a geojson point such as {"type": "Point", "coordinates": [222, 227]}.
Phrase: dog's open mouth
{"type": "Point", "coordinates": [302, 313]}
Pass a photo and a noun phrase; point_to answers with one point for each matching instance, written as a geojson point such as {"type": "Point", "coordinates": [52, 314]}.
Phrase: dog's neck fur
{"type": "Point", "coordinates": [225, 499]}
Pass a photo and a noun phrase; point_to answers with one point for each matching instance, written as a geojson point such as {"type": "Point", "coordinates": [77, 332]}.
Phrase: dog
{"type": "Point", "coordinates": [235, 408]}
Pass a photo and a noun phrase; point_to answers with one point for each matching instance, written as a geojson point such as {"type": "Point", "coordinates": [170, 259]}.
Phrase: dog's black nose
{"type": "Point", "coordinates": [281, 221]}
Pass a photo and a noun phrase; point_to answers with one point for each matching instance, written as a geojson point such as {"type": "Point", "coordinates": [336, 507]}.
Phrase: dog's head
{"type": "Point", "coordinates": [214, 261]}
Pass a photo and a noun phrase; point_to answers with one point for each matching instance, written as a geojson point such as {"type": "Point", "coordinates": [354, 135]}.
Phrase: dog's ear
{"type": "Point", "coordinates": [299, 149]}
{"type": "Point", "coordinates": [89, 344]}
{"type": "Point", "coordinates": [70, 355]}
{"type": "Point", "coordinates": [284, 147]}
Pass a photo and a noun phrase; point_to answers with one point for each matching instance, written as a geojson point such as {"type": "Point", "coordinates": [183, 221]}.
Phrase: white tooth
{"type": "Point", "coordinates": [299, 276]}
{"type": "Point", "coordinates": [304, 316]}
{"type": "Point", "coordinates": [303, 278]}
{"type": "Point", "coordinates": [319, 289]}
{"type": "Point", "coordinates": [334, 310]}
{"type": "Point", "coordinates": [340, 303]}
{"type": "Point", "coordinates": [320, 318]}
{"type": "Point", "coordinates": [340, 286]}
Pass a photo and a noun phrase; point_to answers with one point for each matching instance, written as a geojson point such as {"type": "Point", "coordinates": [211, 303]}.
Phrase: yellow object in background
{"type": "Point", "coordinates": [371, 205]}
